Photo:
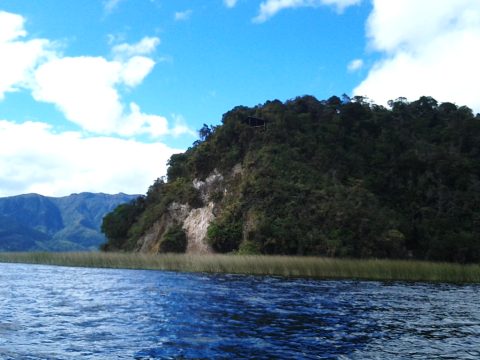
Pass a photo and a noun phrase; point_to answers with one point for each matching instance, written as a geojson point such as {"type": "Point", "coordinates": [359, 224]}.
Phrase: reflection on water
{"type": "Point", "coordinates": [64, 313]}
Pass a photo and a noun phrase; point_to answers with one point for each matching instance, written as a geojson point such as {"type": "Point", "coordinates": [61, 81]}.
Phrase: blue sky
{"type": "Point", "coordinates": [96, 95]}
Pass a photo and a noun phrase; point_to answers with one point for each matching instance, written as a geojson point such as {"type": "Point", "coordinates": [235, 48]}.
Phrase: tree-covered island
{"type": "Point", "coordinates": [338, 178]}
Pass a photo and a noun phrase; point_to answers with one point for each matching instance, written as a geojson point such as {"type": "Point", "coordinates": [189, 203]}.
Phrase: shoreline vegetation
{"type": "Point", "coordinates": [285, 266]}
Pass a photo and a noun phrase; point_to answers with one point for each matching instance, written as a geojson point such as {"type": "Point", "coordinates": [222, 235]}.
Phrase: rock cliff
{"type": "Point", "coordinates": [193, 220]}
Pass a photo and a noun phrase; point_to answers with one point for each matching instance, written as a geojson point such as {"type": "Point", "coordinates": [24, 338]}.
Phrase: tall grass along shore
{"type": "Point", "coordinates": [290, 266]}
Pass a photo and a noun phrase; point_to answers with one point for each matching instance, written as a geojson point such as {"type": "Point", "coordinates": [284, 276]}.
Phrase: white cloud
{"type": "Point", "coordinates": [34, 158]}
{"type": "Point", "coordinates": [140, 123]}
{"type": "Point", "coordinates": [409, 24]}
{"type": "Point", "coordinates": [18, 57]}
{"type": "Point", "coordinates": [87, 90]}
{"type": "Point", "coordinates": [355, 65]}
{"type": "Point", "coordinates": [270, 8]}
{"type": "Point", "coordinates": [181, 127]}
{"type": "Point", "coordinates": [144, 47]}
{"type": "Point", "coordinates": [430, 48]}
{"type": "Point", "coordinates": [230, 3]}
{"type": "Point", "coordinates": [11, 26]}
{"type": "Point", "coordinates": [183, 15]}
{"type": "Point", "coordinates": [83, 88]}
{"type": "Point", "coordinates": [340, 4]}
{"type": "Point", "coordinates": [135, 70]}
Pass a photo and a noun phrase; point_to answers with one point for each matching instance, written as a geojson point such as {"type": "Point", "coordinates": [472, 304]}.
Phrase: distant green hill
{"type": "Point", "coordinates": [340, 177]}
{"type": "Point", "coordinates": [34, 222]}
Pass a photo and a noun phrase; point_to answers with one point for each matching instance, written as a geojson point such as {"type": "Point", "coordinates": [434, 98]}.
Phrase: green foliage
{"type": "Point", "coordinates": [177, 167]}
{"type": "Point", "coordinates": [249, 248]}
{"type": "Point", "coordinates": [224, 235]}
{"type": "Point", "coordinates": [128, 222]}
{"type": "Point", "coordinates": [216, 196]}
{"type": "Point", "coordinates": [116, 225]}
{"type": "Point", "coordinates": [205, 132]}
{"type": "Point", "coordinates": [174, 240]}
{"type": "Point", "coordinates": [341, 177]}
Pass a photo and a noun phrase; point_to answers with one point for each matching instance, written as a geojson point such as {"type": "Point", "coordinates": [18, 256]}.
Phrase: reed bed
{"type": "Point", "coordinates": [288, 266]}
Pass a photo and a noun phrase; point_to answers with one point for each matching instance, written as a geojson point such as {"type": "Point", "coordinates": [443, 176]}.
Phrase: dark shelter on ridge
{"type": "Point", "coordinates": [256, 122]}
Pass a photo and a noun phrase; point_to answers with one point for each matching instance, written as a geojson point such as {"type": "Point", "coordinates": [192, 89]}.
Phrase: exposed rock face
{"type": "Point", "coordinates": [211, 184]}
{"type": "Point", "coordinates": [195, 226]}
{"type": "Point", "coordinates": [150, 242]}
{"type": "Point", "coordinates": [194, 221]}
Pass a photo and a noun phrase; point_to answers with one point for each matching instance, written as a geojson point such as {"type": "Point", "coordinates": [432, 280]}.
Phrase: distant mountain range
{"type": "Point", "coordinates": [34, 222]}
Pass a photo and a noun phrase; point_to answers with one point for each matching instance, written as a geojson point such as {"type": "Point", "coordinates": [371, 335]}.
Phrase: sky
{"type": "Point", "coordinates": [96, 95]}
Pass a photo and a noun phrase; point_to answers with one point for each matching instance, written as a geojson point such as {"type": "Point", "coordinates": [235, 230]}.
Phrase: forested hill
{"type": "Point", "coordinates": [341, 177]}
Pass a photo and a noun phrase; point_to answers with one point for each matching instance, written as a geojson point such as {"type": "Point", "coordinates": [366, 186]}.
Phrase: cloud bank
{"type": "Point", "coordinates": [35, 158]}
{"type": "Point", "coordinates": [104, 154]}
{"type": "Point", "coordinates": [429, 48]}
{"type": "Point", "coordinates": [270, 8]}
{"type": "Point", "coordinates": [87, 90]}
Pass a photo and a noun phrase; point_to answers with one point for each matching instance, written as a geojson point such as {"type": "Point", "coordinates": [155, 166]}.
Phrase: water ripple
{"type": "Point", "coordinates": [64, 313]}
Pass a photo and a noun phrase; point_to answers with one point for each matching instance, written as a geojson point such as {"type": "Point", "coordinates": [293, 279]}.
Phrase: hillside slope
{"type": "Point", "coordinates": [332, 178]}
{"type": "Point", "coordinates": [34, 222]}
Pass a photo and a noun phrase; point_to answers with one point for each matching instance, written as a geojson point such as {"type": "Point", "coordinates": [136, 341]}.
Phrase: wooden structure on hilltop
{"type": "Point", "coordinates": [256, 122]}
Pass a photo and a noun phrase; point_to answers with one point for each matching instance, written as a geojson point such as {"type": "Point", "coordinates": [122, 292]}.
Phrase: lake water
{"type": "Point", "coordinates": [70, 313]}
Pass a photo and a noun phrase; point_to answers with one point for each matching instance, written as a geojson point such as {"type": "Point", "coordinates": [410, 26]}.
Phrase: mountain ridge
{"type": "Point", "coordinates": [34, 222]}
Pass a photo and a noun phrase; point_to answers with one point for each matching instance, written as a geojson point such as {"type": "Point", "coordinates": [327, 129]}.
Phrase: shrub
{"type": "Point", "coordinates": [174, 240]}
{"type": "Point", "coordinates": [225, 236]}
{"type": "Point", "coordinates": [249, 248]}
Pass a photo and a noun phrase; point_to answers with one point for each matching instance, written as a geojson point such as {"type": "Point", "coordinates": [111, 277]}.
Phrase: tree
{"type": "Point", "coordinates": [174, 240]}
{"type": "Point", "coordinates": [116, 225]}
{"type": "Point", "coordinates": [205, 132]}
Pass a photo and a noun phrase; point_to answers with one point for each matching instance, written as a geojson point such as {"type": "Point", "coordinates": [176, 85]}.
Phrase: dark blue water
{"type": "Point", "coordinates": [69, 313]}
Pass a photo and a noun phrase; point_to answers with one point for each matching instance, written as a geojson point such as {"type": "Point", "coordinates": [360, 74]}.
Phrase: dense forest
{"type": "Point", "coordinates": [341, 177]}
